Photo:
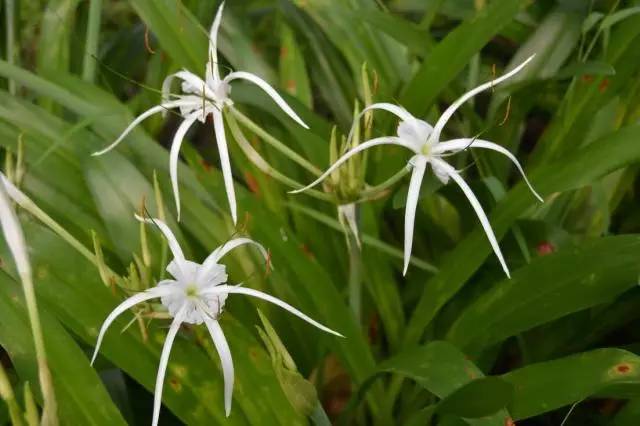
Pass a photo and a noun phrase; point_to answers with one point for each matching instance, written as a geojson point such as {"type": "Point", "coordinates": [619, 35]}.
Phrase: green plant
{"type": "Point", "coordinates": [454, 341]}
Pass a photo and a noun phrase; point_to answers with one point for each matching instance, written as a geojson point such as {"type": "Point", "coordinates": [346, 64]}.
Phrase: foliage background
{"type": "Point", "coordinates": [562, 331]}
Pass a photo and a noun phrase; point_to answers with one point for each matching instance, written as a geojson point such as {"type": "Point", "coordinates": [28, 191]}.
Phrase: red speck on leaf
{"type": "Point", "coordinates": [252, 183]}
{"type": "Point", "coordinates": [545, 248]}
{"type": "Point", "coordinates": [509, 422]}
{"type": "Point", "coordinates": [305, 249]}
{"type": "Point", "coordinates": [587, 78]}
{"type": "Point", "coordinates": [291, 85]}
{"type": "Point", "coordinates": [374, 328]}
{"type": "Point", "coordinates": [284, 52]}
{"type": "Point", "coordinates": [206, 166]}
{"type": "Point", "coordinates": [604, 84]}
{"type": "Point", "coordinates": [623, 368]}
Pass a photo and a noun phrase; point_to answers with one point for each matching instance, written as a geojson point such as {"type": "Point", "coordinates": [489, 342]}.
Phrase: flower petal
{"type": "Point", "coordinates": [175, 153]}
{"type": "Point", "coordinates": [215, 256]}
{"type": "Point", "coordinates": [484, 221]}
{"type": "Point", "coordinates": [460, 144]}
{"type": "Point", "coordinates": [213, 70]}
{"type": "Point", "coordinates": [399, 111]}
{"type": "Point", "coordinates": [225, 163]}
{"type": "Point", "coordinates": [212, 260]}
{"type": "Point", "coordinates": [148, 113]}
{"type": "Point", "coordinates": [178, 255]}
{"type": "Point", "coordinates": [124, 306]}
{"type": "Point", "coordinates": [184, 271]}
{"type": "Point", "coordinates": [270, 91]}
{"type": "Point", "coordinates": [419, 166]}
{"type": "Point", "coordinates": [13, 234]}
{"type": "Point", "coordinates": [227, 289]}
{"type": "Point", "coordinates": [164, 360]}
{"type": "Point", "coordinates": [386, 140]}
{"type": "Point", "coordinates": [446, 116]}
{"type": "Point", "coordinates": [347, 213]}
{"type": "Point", "coordinates": [226, 361]}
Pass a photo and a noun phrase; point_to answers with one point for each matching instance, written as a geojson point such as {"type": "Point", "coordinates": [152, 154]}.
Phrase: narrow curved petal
{"type": "Point", "coordinates": [13, 234]}
{"type": "Point", "coordinates": [213, 70]}
{"type": "Point", "coordinates": [226, 361]}
{"type": "Point", "coordinates": [460, 144]}
{"type": "Point", "coordinates": [225, 163]}
{"type": "Point", "coordinates": [164, 360]}
{"type": "Point", "coordinates": [233, 244]}
{"type": "Point", "coordinates": [139, 119]}
{"type": "Point", "coordinates": [269, 90]}
{"type": "Point", "coordinates": [126, 305]}
{"type": "Point", "coordinates": [174, 155]}
{"type": "Point", "coordinates": [387, 140]}
{"type": "Point", "coordinates": [397, 110]}
{"type": "Point", "coordinates": [226, 289]}
{"type": "Point", "coordinates": [484, 221]}
{"type": "Point", "coordinates": [172, 241]}
{"type": "Point", "coordinates": [446, 116]}
{"type": "Point", "coordinates": [219, 252]}
{"type": "Point", "coordinates": [419, 167]}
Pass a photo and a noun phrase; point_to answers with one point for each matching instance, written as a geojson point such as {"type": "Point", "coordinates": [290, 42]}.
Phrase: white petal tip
{"type": "Point", "coordinates": [405, 268]}
{"type": "Point", "coordinates": [97, 153]}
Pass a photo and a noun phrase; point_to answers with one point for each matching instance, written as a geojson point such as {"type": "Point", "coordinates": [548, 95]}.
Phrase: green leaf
{"type": "Point", "coordinates": [546, 386]}
{"type": "Point", "coordinates": [479, 398]}
{"type": "Point", "coordinates": [443, 370]}
{"type": "Point", "coordinates": [81, 397]}
{"type": "Point", "coordinates": [601, 157]}
{"type": "Point", "coordinates": [619, 16]}
{"type": "Point", "coordinates": [550, 287]}
{"type": "Point", "coordinates": [452, 54]}
{"type": "Point", "coordinates": [586, 68]}
{"type": "Point", "coordinates": [628, 415]}
{"type": "Point", "coordinates": [293, 72]}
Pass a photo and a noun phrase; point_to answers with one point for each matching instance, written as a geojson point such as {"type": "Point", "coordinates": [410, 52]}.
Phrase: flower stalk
{"type": "Point", "coordinates": [6, 393]}
{"type": "Point", "coordinates": [17, 245]}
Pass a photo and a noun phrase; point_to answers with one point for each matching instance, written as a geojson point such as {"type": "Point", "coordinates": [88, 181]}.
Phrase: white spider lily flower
{"type": "Point", "coordinates": [424, 141]}
{"type": "Point", "coordinates": [197, 295]}
{"type": "Point", "coordinates": [200, 98]}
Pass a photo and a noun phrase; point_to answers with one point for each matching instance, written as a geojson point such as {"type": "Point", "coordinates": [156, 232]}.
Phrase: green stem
{"type": "Point", "coordinates": [377, 191]}
{"type": "Point", "coordinates": [265, 167]}
{"type": "Point", "coordinates": [91, 45]}
{"type": "Point", "coordinates": [26, 203]}
{"type": "Point", "coordinates": [276, 143]}
{"type": "Point", "coordinates": [355, 277]}
{"type": "Point", "coordinates": [6, 393]}
{"type": "Point", "coordinates": [432, 10]}
{"type": "Point", "coordinates": [366, 239]}
{"type": "Point", "coordinates": [15, 240]}
{"type": "Point", "coordinates": [49, 412]}
{"type": "Point", "coordinates": [10, 12]}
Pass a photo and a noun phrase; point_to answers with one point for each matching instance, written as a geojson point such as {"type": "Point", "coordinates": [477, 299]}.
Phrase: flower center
{"type": "Point", "coordinates": [426, 149]}
{"type": "Point", "coordinates": [191, 291]}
